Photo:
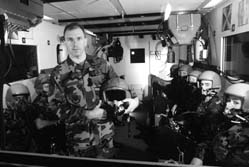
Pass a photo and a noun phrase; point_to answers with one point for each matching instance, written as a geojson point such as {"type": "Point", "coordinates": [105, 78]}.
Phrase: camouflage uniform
{"type": "Point", "coordinates": [210, 122]}
{"type": "Point", "coordinates": [50, 132]}
{"type": "Point", "coordinates": [231, 147]}
{"type": "Point", "coordinates": [79, 84]}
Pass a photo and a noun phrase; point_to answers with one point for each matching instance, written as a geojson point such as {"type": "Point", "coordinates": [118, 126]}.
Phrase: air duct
{"type": "Point", "coordinates": [184, 27]}
{"type": "Point", "coordinates": [21, 14]}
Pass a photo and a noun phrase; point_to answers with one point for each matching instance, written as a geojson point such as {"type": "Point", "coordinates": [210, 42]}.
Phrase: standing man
{"type": "Point", "coordinates": [78, 79]}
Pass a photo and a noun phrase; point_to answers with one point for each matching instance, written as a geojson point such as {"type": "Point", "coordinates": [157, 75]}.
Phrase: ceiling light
{"type": "Point", "coordinates": [212, 3]}
{"type": "Point", "coordinates": [118, 7]}
{"type": "Point", "coordinates": [167, 11]}
{"type": "Point", "coordinates": [47, 18]}
{"type": "Point", "coordinates": [90, 32]}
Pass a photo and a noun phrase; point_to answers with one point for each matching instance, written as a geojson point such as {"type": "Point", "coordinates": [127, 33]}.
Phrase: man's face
{"type": "Point", "coordinates": [192, 79]}
{"type": "Point", "coordinates": [182, 73]}
{"type": "Point", "coordinates": [233, 103]}
{"type": "Point", "coordinates": [19, 102]}
{"type": "Point", "coordinates": [75, 42]}
{"type": "Point", "coordinates": [45, 87]}
{"type": "Point", "coordinates": [205, 86]}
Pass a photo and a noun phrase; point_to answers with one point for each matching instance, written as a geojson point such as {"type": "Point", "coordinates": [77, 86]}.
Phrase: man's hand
{"type": "Point", "coordinates": [97, 113]}
{"type": "Point", "coordinates": [133, 104]}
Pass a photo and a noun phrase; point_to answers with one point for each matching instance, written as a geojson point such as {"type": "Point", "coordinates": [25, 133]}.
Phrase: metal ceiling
{"type": "Point", "coordinates": [117, 17]}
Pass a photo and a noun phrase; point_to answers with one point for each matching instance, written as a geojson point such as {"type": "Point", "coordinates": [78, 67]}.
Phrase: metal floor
{"type": "Point", "coordinates": [145, 143]}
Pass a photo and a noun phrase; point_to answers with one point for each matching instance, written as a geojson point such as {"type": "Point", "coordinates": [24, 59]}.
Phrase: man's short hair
{"type": "Point", "coordinates": [73, 26]}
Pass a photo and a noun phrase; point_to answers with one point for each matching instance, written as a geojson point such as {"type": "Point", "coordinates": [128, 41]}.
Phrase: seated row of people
{"type": "Point", "coordinates": [217, 123]}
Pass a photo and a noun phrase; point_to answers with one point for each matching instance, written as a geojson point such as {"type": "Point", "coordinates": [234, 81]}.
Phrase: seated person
{"type": "Point", "coordinates": [231, 147]}
{"type": "Point", "coordinates": [18, 118]}
{"type": "Point", "coordinates": [194, 93]}
{"type": "Point", "coordinates": [176, 90]}
{"type": "Point", "coordinates": [209, 112]}
{"type": "Point", "coordinates": [218, 144]}
{"type": "Point", "coordinates": [210, 108]}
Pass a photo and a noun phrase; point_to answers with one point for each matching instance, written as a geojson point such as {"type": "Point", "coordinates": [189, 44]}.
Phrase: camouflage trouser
{"type": "Point", "coordinates": [91, 142]}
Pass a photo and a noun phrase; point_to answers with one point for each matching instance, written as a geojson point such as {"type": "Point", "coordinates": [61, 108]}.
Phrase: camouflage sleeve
{"type": "Point", "coordinates": [55, 76]}
{"type": "Point", "coordinates": [58, 94]}
{"type": "Point", "coordinates": [73, 115]}
{"type": "Point", "coordinates": [215, 107]}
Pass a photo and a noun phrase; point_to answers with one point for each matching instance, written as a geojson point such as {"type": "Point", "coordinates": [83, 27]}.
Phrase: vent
{"type": "Point", "coordinates": [22, 14]}
{"type": "Point", "coordinates": [184, 27]}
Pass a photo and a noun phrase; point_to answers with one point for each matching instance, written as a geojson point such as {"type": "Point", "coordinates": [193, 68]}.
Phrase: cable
{"type": "Point", "coordinates": [211, 29]}
{"type": "Point", "coordinates": [2, 125]}
{"type": "Point", "coordinates": [11, 58]}
{"type": "Point", "coordinates": [4, 24]}
{"type": "Point", "coordinates": [160, 31]}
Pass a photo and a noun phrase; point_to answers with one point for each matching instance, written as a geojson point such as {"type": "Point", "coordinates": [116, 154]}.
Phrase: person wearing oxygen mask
{"type": "Point", "coordinates": [18, 119]}
{"type": "Point", "coordinates": [210, 84]}
{"type": "Point", "coordinates": [176, 91]}
{"type": "Point", "coordinates": [194, 93]}
{"type": "Point", "coordinates": [209, 117]}
{"type": "Point", "coordinates": [230, 145]}
{"type": "Point", "coordinates": [88, 131]}
{"type": "Point", "coordinates": [185, 120]}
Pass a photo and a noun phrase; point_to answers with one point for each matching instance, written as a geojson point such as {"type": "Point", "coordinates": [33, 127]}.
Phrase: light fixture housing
{"type": "Point", "coordinates": [212, 3]}
{"type": "Point", "coordinates": [167, 11]}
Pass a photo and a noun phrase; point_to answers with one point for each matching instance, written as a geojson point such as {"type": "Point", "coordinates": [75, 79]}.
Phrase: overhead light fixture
{"type": "Point", "coordinates": [167, 11]}
{"type": "Point", "coordinates": [212, 3]}
{"type": "Point", "coordinates": [47, 18]}
{"type": "Point", "coordinates": [90, 33]}
{"type": "Point", "coordinates": [118, 7]}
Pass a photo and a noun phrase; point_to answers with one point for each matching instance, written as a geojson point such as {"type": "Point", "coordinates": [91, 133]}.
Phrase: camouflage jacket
{"type": "Point", "coordinates": [19, 128]}
{"type": "Point", "coordinates": [231, 147]}
{"type": "Point", "coordinates": [46, 109]}
{"type": "Point", "coordinates": [211, 117]}
{"type": "Point", "coordinates": [79, 83]}
{"type": "Point", "coordinates": [212, 121]}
